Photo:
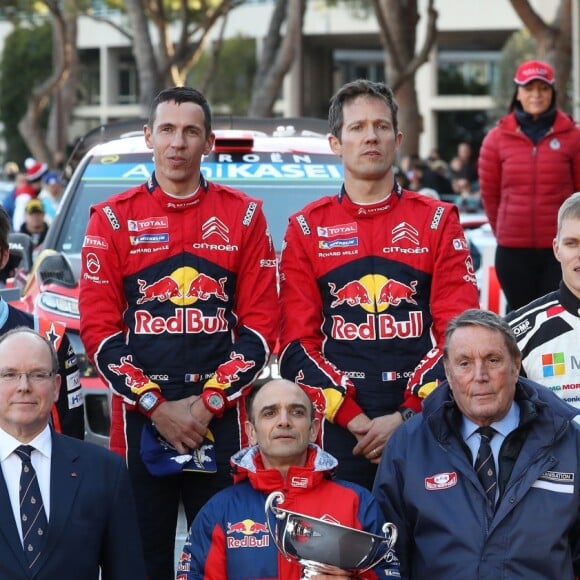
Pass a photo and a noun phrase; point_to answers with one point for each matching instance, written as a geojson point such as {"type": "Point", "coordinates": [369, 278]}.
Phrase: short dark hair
{"type": "Point", "coordinates": [4, 229]}
{"type": "Point", "coordinates": [27, 330]}
{"type": "Point", "coordinates": [351, 91]}
{"type": "Point", "coordinates": [181, 95]}
{"type": "Point", "coordinates": [256, 388]}
{"type": "Point", "coordinates": [485, 319]}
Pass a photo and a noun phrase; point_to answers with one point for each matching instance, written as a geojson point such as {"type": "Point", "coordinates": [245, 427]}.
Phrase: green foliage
{"type": "Point", "coordinates": [25, 63]}
{"type": "Point", "coordinates": [230, 90]}
{"type": "Point", "coordinates": [520, 47]}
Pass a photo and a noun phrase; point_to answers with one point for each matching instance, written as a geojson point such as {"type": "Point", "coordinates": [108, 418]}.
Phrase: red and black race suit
{"type": "Point", "coordinates": [178, 291]}
{"type": "Point", "coordinates": [366, 293]}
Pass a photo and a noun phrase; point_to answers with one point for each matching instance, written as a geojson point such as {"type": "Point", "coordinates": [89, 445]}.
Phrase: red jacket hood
{"type": "Point", "coordinates": [247, 463]}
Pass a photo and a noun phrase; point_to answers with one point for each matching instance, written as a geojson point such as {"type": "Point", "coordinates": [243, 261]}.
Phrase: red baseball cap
{"type": "Point", "coordinates": [533, 70]}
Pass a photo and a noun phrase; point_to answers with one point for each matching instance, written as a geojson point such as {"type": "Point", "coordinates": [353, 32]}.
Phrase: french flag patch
{"type": "Point", "coordinates": [389, 376]}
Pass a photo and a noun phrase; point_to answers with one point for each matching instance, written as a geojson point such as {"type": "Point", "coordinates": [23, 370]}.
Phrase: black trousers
{"type": "Point", "coordinates": [157, 498]}
{"type": "Point", "coordinates": [526, 273]}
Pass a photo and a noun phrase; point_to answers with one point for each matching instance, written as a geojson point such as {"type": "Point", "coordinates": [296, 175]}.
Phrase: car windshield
{"type": "Point", "coordinates": [284, 187]}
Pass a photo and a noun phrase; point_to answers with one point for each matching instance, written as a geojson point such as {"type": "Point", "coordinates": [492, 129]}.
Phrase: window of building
{"type": "Point", "coordinates": [89, 85]}
{"type": "Point", "coordinates": [128, 81]}
{"type": "Point", "coordinates": [471, 73]}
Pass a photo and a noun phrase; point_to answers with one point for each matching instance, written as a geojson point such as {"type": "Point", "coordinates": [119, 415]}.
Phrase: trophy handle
{"type": "Point", "coordinates": [276, 497]}
{"type": "Point", "coordinates": [391, 534]}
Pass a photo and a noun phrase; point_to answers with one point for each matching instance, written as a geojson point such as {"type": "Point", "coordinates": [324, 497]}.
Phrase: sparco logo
{"type": "Point", "coordinates": [249, 213]}
{"type": "Point", "coordinates": [303, 225]}
{"type": "Point", "coordinates": [437, 218]}
{"type": "Point", "coordinates": [112, 217]}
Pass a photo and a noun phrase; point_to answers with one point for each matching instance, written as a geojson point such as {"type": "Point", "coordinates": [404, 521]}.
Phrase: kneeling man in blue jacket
{"type": "Point", "coordinates": [485, 482]}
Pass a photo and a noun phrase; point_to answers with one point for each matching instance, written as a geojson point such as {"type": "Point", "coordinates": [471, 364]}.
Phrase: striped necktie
{"type": "Point", "coordinates": [485, 464]}
{"type": "Point", "coordinates": [32, 514]}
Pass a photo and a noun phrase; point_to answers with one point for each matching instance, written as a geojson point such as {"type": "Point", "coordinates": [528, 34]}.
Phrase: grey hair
{"type": "Point", "coordinates": [484, 319]}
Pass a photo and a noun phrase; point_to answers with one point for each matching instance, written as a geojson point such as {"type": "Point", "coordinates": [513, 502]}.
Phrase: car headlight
{"type": "Point", "coordinates": [59, 304]}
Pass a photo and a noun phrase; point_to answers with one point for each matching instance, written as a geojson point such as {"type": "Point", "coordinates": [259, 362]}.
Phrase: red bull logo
{"type": "Point", "coordinates": [204, 286]}
{"type": "Point", "coordinates": [190, 321]}
{"type": "Point", "coordinates": [228, 372]}
{"type": "Point", "coordinates": [315, 394]}
{"type": "Point", "coordinates": [373, 292]}
{"type": "Point", "coordinates": [395, 292]}
{"type": "Point", "coordinates": [135, 378]}
{"type": "Point", "coordinates": [352, 293]}
{"type": "Point", "coordinates": [381, 326]}
{"type": "Point", "coordinates": [253, 534]}
{"type": "Point", "coordinates": [162, 290]}
{"type": "Point", "coordinates": [184, 286]}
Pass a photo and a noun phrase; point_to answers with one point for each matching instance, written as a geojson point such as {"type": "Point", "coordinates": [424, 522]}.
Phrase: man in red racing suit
{"type": "Point", "coordinates": [179, 311]}
{"type": "Point", "coordinates": [368, 284]}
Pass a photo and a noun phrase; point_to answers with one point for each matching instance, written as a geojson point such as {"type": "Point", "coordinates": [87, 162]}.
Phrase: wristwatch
{"type": "Point", "coordinates": [406, 413]}
{"type": "Point", "coordinates": [149, 401]}
{"type": "Point", "coordinates": [213, 402]}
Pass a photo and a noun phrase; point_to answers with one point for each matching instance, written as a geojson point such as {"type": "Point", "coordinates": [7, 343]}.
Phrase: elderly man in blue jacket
{"type": "Point", "coordinates": [485, 482]}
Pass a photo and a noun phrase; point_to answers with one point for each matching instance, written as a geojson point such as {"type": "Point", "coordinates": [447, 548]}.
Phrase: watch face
{"type": "Point", "coordinates": [215, 402]}
{"type": "Point", "coordinates": [147, 401]}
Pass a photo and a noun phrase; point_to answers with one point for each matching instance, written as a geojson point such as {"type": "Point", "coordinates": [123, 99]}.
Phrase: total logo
{"type": "Point", "coordinates": [183, 287]}
{"type": "Point", "coordinates": [375, 294]}
{"type": "Point", "coordinates": [247, 534]}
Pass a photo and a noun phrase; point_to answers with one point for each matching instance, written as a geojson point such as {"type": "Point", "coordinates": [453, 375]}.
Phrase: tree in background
{"type": "Point", "coordinates": [26, 61]}
{"type": "Point", "coordinates": [277, 55]}
{"type": "Point", "coordinates": [398, 20]}
{"type": "Point", "coordinates": [169, 59]}
{"type": "Point", "coordinates": [231, 75]}
{"type": "Point", "coordinates": [41, 125]}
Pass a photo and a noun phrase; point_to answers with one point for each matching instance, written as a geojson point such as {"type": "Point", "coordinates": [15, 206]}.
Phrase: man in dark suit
{"type": "Point", "coordinates": [76, 494]}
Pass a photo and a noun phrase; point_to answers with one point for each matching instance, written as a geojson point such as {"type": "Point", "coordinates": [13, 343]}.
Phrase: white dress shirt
{"type": "Point", "coordinates": [12, 466]}
{"type": "Point", "coordinates": [503, 428]}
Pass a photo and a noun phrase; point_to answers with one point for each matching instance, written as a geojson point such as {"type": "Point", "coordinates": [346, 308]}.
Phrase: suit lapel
{"type": "Point", "coordinates": [65, 480]}
{"type": "Point", "coordinates": [8, 529]}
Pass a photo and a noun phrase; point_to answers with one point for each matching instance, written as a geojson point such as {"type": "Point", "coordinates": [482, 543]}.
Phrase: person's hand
{"type": "Point", "coordinates": [182, 423]}
{"type": "Point", "coordinates": [372, 443]}
{"type": "Point", "coordinates": [359, 426]}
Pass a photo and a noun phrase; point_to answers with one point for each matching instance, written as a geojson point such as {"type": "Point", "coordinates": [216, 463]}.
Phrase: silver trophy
{"type": "Point", "coordinates": [323, 547]}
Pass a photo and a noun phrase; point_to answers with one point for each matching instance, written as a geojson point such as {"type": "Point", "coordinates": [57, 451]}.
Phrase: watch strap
{"type": "Point", "coordinates": [149, 411]}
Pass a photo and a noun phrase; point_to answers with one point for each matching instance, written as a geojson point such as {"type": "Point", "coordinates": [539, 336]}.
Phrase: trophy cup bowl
{"type": "Point", "coordinates": [323, 547]}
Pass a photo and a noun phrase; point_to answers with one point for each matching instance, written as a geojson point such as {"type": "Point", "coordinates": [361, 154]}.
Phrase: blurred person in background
{"type": "Point", "coordinates": [34, 223]}
{"type": "Point", "coordinates": [51, 194]}
{"type": "Point", "coordinates": [35, 171]}
{"type": "Point", "coordinates": [528, 165]}
{"type": "Point", "coordinates": [68, 413]}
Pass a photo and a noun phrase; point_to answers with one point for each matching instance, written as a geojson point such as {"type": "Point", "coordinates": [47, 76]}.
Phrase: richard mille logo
{"type": "Point", "coordinates": [214, 226]}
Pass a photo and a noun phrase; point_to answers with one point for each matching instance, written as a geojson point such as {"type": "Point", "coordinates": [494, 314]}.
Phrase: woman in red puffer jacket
{"type": "Point", "coordinates": [528, 165]}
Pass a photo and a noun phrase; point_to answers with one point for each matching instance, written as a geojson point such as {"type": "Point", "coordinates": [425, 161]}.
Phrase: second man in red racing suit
{"type": "Point", "coordinates": [368, 288]}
